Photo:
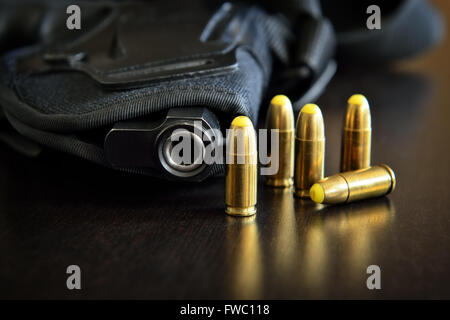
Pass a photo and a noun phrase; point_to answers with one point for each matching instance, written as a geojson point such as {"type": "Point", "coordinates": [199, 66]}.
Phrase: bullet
{"type": "Point", "coordinates": [309, 149]}
{"type": "Point", "coordinates": [280, 116]}
{"type": "Point", "coordinates": [354, 185]}
{"type": "Point", "coordinates": [241, 164]}
{"type": "Point", "coordinates": [357, 135]}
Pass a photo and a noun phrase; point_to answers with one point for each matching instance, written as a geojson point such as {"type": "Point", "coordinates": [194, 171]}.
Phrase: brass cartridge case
{"type": "Point", "coordinates": [280, 117]}
{"type": "Point", "coordinates": [357, 135]}
{"type": "Point", "coordinates": [354, 185]}
{"type": "Point", "coordinates": [309, 149]}
{"type": "Point", "coordinates": [241, 166]}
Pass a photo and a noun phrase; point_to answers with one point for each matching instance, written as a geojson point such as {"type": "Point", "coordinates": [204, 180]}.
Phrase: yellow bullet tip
{"type": "Point", "coordinates": [358, 113]}
{"type": "Point", "coordinates": [310, 124]}
{"type": "Point", "coordinates": [310, 108]}
{"type": "Point", "coordinates": [280, 100]}
{"type": "Point", "coordinates": [242, 122]}
{"type": "Point", "coordinates": [358, 99]}
{"type": "Point", "coordinates": [317, 193]}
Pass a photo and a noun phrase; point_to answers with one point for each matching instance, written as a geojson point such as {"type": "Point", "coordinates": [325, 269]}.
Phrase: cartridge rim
{"type": "Point", "coordinates": [279, 182]}
{"type": "Point", "coordinates": [392, 174]}
{"type": "Point", "coordinates": [302, 193]}
{"type": "Point", "coordinates": [239, 211]}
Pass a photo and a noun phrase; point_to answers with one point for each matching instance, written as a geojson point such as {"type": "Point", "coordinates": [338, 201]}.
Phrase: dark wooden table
{"type": "Point", "coordinates": [135, 237]}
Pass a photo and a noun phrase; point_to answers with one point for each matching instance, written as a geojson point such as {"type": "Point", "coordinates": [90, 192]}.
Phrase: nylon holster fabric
{"type": "Point", "coordinates": [136, 61]}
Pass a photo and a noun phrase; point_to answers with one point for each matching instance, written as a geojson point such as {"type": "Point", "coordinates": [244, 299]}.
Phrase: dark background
{"type": "Point", "coordinates": [135, 237]}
